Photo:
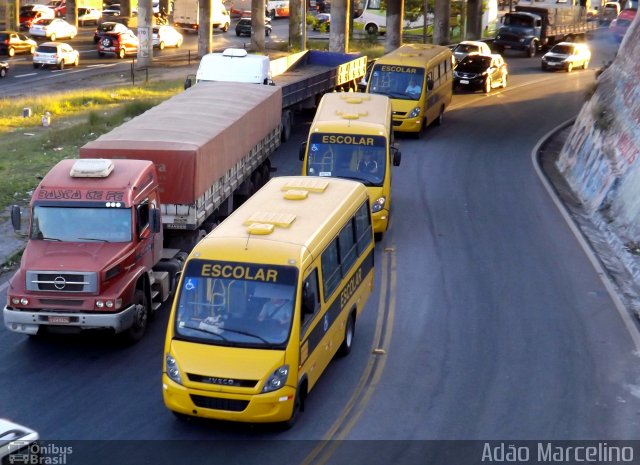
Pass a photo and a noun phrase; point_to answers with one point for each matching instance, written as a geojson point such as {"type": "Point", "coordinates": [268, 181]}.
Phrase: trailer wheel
{"type": "Point", "coordinates": [266, 172]}
{"type": "Point", "coordinates": [140, 318]}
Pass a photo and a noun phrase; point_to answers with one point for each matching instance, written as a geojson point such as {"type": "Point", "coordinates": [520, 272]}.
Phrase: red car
{"type": "Point", "coordinates": [118, 43]}
{"type": "Point", "coordinates": [619, 26]}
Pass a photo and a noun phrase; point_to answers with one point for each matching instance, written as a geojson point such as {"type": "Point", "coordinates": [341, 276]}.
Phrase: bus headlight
{"type": "Point", "coordinates": [415, 112]}
{"type": "Point", "coordinates": [277, 379]}
{"type": "Point", "coordinates": [378, 204]}
{"type": "Point", "coordinates": [173, 371]}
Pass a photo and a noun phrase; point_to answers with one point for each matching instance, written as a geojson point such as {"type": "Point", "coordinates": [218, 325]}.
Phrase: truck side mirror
{"type": "Point", "coordinates": [303, 149]}
{"type": "Point", "coordinates": [16, 219]}
{"type": "Point", "coordinates": [397, 156]}
{"type": "Point", "coordinates": [430, 84]}
{"type": "Point", "coordinates": [189, 81]}
{"type": "Point", "coordinates": [155, 222]}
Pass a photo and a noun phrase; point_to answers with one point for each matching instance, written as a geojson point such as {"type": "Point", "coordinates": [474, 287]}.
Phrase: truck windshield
{"type": "Point", "coordinates": [350, 156]}
{"type": "Point", "coordinates": [399, 82]}
{"type": "Point", "coordinates": [518, 20]}
{"type": "Point", "coordinates": [236, 304]}
{"type": "Point", "coordinates": [80, 224]}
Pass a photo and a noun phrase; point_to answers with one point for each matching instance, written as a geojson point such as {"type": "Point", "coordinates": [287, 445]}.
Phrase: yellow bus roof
{"type": "Point", "coordinates": [353, 113]}
{"type": "Point", "coordinates": [289, 220]}
{"type": "Point", "coordinates": [414, 54]}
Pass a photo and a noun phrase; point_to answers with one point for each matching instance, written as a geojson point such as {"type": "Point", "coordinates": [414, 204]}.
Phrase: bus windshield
{"type": "Point", "coordinates": [358, 157]}
{"type": "Point", "coordinates": [80, 224]}
{"type": "Point", "coordinates": [236, 304]}
{"type": "Point", "coordinates": [399, 82]}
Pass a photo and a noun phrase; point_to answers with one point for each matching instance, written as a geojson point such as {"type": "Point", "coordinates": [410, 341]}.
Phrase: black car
{"type": "Point", "coordinates": [480, 71]}
{"type": "Point", "coordinates": [4, 68]}
{"type": "Point", "coordinates": [244, 27]}
{"type": "Point", "coordinates": [12, 42]}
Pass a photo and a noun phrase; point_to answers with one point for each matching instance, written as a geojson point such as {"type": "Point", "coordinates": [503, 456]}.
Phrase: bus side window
{"type": "Point", "coordinates": [430, 82]}
{"type": "Point", "coordinates": [348, 252]}
{"type": "Point", "coordinates": [331, 274]}
{"type": "Point", "coordinates": [310, 297]}
{"type": "Point", "coordinates": [363, 228]}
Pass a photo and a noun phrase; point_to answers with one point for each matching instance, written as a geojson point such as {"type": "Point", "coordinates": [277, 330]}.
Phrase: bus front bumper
{"type": "Point", "coordinates": [272, 407]}
{"type": "Point", "coordinates": [408, 124]}
{"type": "Point", "coordinates": [380, 221]}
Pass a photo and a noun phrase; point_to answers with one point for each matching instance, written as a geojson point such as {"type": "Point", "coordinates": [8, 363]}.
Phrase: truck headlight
{"type": "Point", "coordinates": [277, 379]}
{"type": "Point", "coordinates": [415, 112]}
{"type": "Point", "coordinates": [378, 204]}
{"type": "Point", "coordinates": [173, 371]}
{"type": "Point", "coordinates": [522, 40]}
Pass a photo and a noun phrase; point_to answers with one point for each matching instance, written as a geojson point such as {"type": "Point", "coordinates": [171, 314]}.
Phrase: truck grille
{"type": "Point", "coordinates": [218, 403]}
{"type": "Point", "coordinates": [509, 38]}
{"type": "Point", "coordinates": [54, 281]}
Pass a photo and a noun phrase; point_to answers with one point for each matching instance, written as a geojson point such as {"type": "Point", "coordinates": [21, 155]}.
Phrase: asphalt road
{"type": "Point", "coordinates": [490, 321]}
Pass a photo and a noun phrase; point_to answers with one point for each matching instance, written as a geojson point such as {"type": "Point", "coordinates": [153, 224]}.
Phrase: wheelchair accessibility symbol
{"type": "Point", "coordinates": [325, 323]}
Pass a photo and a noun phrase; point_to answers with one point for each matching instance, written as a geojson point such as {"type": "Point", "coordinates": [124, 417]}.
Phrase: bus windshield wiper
{"type": "Point", "coordinates": [195, 328]}
{"type": "Point", "coordinates": [366, 182]}
{"type": "Point", "coordinates": [244, 333]}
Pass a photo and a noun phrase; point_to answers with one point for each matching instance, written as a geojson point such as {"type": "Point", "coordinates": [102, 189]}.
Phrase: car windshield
{"type": "Point", "coordinates": [106, 27]}
{"type": "Point", "coordinates": [80, 224]}
{"type": "Point", "coordinates": [562, 49]}
{"type": "Point", "coordinates": [474, 63]}
{"type": "Point", "coordinates": [46, 49]}
{"type": "Point", "coordinates": [465, 48]}
{"type": "Point", "coordinates": [236, 304]}
{"type": "Point", "coordinates": [397, 81]}
{"type": "Point", "coordinates": [362, 158]}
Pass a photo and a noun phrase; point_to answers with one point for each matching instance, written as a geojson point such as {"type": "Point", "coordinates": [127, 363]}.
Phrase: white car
{"type": "Point", "coordinates": [55, 54]}
{"type": "Point", "coordinates": [466, 47]}
{"type": "Point", "coordinates": [166, 36]}
{"type": "Point", "coordinates": [15, 440]}
{"type": "Point", "coordinates": [567, 56]}
{"type": "Point", "coordinates": [53, 29]}
{"type": "Point", "coordinates": [88, 15]}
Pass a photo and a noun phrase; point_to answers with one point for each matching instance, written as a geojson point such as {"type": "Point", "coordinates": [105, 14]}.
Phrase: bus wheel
{"type": "Point", "coordinates": [297, 408]}
{"type": "Point", "coordinates": [378, 236]}
{"type": "Point", "coordinates": [440, 119]}
{"type": "Point", "coordinates": [372, 29]}
{"type": "Point", "coordinates": [349, 333]}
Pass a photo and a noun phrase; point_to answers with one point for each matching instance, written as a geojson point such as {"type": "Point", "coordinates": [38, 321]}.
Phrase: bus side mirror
{"type": "Point", "coordinates": [397, 156]}
{"type": "Point", "coordinates": [16, 219]}
{"type": "Point", "coordinates": [155, 222]}
{"type": "Point", "coordinates": [303, 149]}
{"type": "Point", "coordinates": [189, 81]}
{"type": "Point", "coordinates": [430, 84]}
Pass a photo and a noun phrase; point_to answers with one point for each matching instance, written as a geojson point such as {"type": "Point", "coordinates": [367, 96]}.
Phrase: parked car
{"type": "Point", "coordinates": [112, 10]}
{"type": "Point", "coordinates": [56, 54]}
{"type": "Point", "coordinates": [12, 42]}
{"type": "Point", "coordinates": [53, 29]}
{"type": "Point", "coordinates": [481, 71]}
{"type": "Point", "coordinates": [4, 68]}
{"type": "Point", "coordinates": [166, 36]}
{"type": "Point", "coordinates": [59, 7]}
{"type": "Point", "coordinates": [118, 43]}
{"type": "Point", "coordinates": [15, 442]}
{"type": "Point", "coordinates": [31, 13]}
{"type": "Point", "coordinates": [88, 15]}
{"type": "Point", "coordinates": [108, 26]}
{"type": "Point", "coordinates": [322, 22]}
{"type": "Point", "coordinates": [467, 47]}
{"type": "Point", "coordinates": [244, 27]}
{"type": "Point", "coordinates": [618, 27]}
{"type": "Point", "coordinates": [566, 56]}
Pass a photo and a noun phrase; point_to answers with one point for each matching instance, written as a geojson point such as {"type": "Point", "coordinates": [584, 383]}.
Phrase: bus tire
{"type": "Point", "coordinates": [440, 118]}
{"type": "Point", "coordinates": [377, 236]}
{"type": "Point", "coordinates": [298, 406]}
{"type": "Point", "coordinates": [349, 334]}
{"type": "Point", "coordinates": [372, 29]}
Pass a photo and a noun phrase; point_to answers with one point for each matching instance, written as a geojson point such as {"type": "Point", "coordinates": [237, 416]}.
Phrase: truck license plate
{"type": "Point", "coordinates": [464, 81]}
{"type": "Point", "coordinates": [58, 320]}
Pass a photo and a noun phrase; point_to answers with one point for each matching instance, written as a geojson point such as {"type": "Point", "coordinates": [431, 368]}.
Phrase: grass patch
{"type": "Point", "coordinates": [30, 150]}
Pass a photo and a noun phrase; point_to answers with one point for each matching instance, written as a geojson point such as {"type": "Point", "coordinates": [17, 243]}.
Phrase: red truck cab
{"type": "Point", "coordinates": [94, 237]}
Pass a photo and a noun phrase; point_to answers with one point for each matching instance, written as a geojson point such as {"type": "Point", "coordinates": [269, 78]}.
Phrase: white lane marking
{"type": "Point", "coordinates": [24, 75]}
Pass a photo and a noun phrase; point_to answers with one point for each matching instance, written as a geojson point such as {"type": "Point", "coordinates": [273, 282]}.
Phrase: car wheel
{"type": "Point", "coordinates": [53, 37]}
{"type": "Point", "coordinates": [12, 51]}
{"type": "Point", "coordinates": [96, 40]}
{"type": "Point", "coordinates": [179, 43]}
{"type": "Point", "coordinates": [543, 66]}
{"type": "Point", "coordinates": [267, 32]}
{"type": "Point", "coordinates": [238, 33]}
{"type": "Point", "coordinates": [76, 62]}
{"type": "Point", "coordinates": [487, 85]}
{"type": "Point", "coordinates": [533, 48]}
{"type": "Point", "coordinates": [586, 64]}
{"type": "Point", "coordinates": [121, 53]}
{"type": "Point", "coordinates": [161, 45]}
{"type": "Point", "coordinates": [72, 35]}
{"type": "Point", "coordinates": [372, 29]}
{"type": "Point", "coordinates": [61, 64]}
{"type": "Point", "coordinates": [36, 66]}
{"type": "Point", "coordinates": [504, 81]}
{"type": "Point", "coordinates": [569, 67]}
{"type": "Point", "coordinates": [225, 28]}
{"type": "Point", "coordinates": [3, 72]}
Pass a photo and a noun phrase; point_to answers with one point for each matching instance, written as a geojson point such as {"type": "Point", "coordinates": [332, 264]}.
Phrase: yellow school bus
{"type": "Point", "coordinates": [351, 137]}
{"type": "Point", "coordinates": [419, 80]}
{"type": "Point", "coordinates": [267, 299]}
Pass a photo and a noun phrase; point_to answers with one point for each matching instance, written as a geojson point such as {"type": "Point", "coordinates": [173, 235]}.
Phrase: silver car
{"type": "Point", "coordinates": [55, 54]}
{"type": "Point", "coordinates": [567, 56]}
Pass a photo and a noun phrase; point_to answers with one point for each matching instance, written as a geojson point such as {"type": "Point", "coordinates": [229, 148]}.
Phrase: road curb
{"type": "Point", "coordinates": [586, 246]}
